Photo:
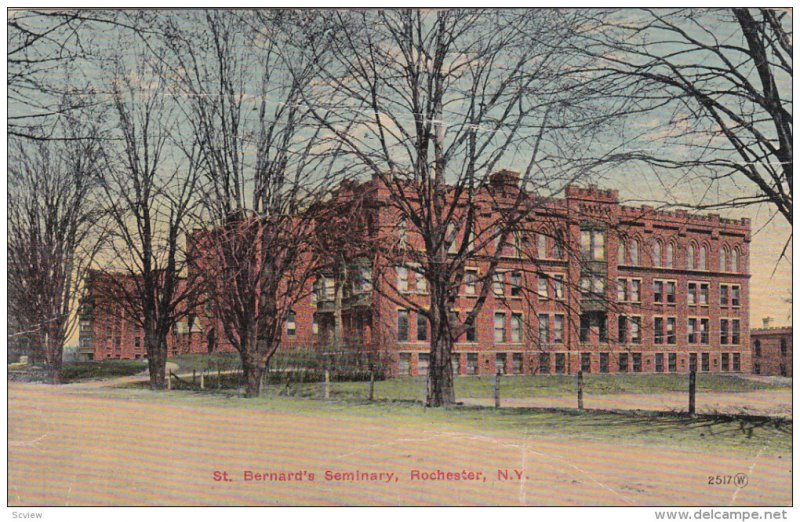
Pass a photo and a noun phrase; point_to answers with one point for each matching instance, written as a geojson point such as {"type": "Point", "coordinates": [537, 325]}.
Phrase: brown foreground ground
{"type": "Point", "coordinates": [90, 445]}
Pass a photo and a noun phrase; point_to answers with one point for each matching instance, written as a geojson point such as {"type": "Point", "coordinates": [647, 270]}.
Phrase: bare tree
{"type": "Point", "coordinates": [243, 74]}
{"type": "Point", "coordinates": [149, 184]}
{"type": "Point", "coordinates": [54, 228]}
{"type": "Point", "coordinates": [716, 87]}
{"type": "Point", "coordinates": [431, 103]}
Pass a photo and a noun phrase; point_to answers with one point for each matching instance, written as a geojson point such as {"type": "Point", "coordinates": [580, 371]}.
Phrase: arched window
{"type": "Point", "coordinates": [634, 252]}
{"type": "Point", "coordinates": [735, 260]}
{"type": "Point", "coordinates": [402, 233]}
{"type": "Point", "coordinates": [541, 245]}
{"type": "Point", "coordinates": [657, 253]}
{"type": "Point", "coordinates": [621, 252]}
{"type": "Point", "coordinates": [670, 251]}
{"type": "Point", "coordinates": [723, 259]}
{"type": "Point", "coordinates": [690, 257]}
{"type": "Point", "coordinates": [702, 264]}
{"type": "Point", "coordinates": [558, 245]}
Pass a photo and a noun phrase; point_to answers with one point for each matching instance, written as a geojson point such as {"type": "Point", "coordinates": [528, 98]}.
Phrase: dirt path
{"type": "Point", "coordinates": [763, 402]}
{"type": "Point", "coordinates": [89, 446]}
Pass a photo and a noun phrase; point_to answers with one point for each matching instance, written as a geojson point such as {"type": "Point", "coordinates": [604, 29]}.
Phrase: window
{"type": "Point", "coordinates": [673, 362]}
{"type": "Point", "coordinates": [703, 331]}
{"type": "Point", "coordinates": [658, 330]}
{"type": "Point", "coordinates": [558, 245]}
{"type": "Point", "coordinates": [702, 262]}
{"type": "Point", "coordinates": [637, 362]}
{"type": "Point", "coordinates": [402, 279]}
{"type": "Point", "coordinates": [657, 253]}
{"type": "Point", "coordinates": [757, 346]}
{"type": "Point", "coordinates": [658, 291]}
{"type": "Point", "coordinates": [737, 362]}
{"type": "Point", "coordinates": [621, 252]}
{"type": "Point", "coordinates": [516, 328]}
{"type": "Point", "coordinates": [723, 295]}
{"type": "Point", "coordinates": [636, 292]}
{"type": "Point", "coordinates": [516, 363]}
{"type": "Point", "coordinates": [622, 329]}
{"type": "Point", "coordinates": [405, 363]}
{"type": "Point", "coordinates": [558, 328]}
{"type": "Point", "coordinates": [756, 368]}
{"type": "Point", "coordinates": [734, 296]}
{"type": "Point", "coordinates": [783, 348]}
{"type": "Point", "coordinates": [363, 281]}
{"type": "Point", "coordinates": [691, 296]}
{"type": "Point", "coordinates": [636, 329]}
{"type": "Point", "coordinates": [137, 342]}
{"type": "Point", "coordinates": [499, 327]}
{"type": "Point", "coordinates": [586, 362]}
{"type": "Point", "coordinates": [692, 362]}
{"type": "Point", "coordinates": [422, 328]}
{"type": "Point", "coordinates": [472, 364]}
{"type": "Point", "coordinates": [402, 233]}
{"type": "Point", "coordinates": [703, 294]}
{"type": "Point", "coordinates": [734, 260]}
{"type": "Point", "coordinates": [498, 281]}
{"type": "Point", "coordinates": [402, 325]}
{"type": "Point", "coordinates": [670, 249]}
{"type": "Point", "coordinates": [723, 331]}
{"type": "Point", "coordinates": [660, 362]}
{"type": "Point", "coordinates": [671, 336]}
{"type": "Point", "coordinates": [291, 324]}
{"type": "Point", "coordinates": [315, 325]}
{"type": "Point", "coordinates": [470, 279]}
{"type": "Point", "coordinates": [542, 287]}
{"type": "Point", "coordinates": [622, 290]}
{"type": "Point", "coordinates": [544, 363]}
{"type": "Point", "coordinates": [604, 362]}
{"type": "Point", "coordinates": [330, 288]}
{"type": "Point", "coordinates": [452, 231]}
{"type": "Point", "coordinates": [670, 291]}
{"type": "Point", "coordinates": [560, 363]}
{"type": "Point", "coordinates": [471, 335]}
{"type": "Point", "coordinates": [634, 252]}
{"type": "Point", "coordinates": [455, 363]}
{"type": "Point", "coordinates": [593, 245]}
{"type": "Point", "coordinates": [692, 331]}
{"type": "Point", "coordinates": [421, 282]}
{"type": "Point", "coordinates": [690, 257]}
{"type": "Point", "coordinates": [541, 245]}
{"type": "Point", "coordinates": [623, 362]}
{"type": "Point", "coordinates": [516, 282]}
{"type": "Point", "coordinates": [734, 331]}
{"type": "Point", "coordinates": [500, 363]}
{"type": "Point", "coordinates": [723, 259]}
{"type": "Point", "coordinates": [558, 286]}
{"type": "Point", "coordinates": [705, 362]}
{"type": "Point", "coordinates": [725, 362]}
{"type": "Point", "coordinates": [544, 329]}
{"type": "Point", "coordinates": [423, 361]}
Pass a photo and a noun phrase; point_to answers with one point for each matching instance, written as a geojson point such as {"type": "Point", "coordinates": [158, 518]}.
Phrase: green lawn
{"type": "Point", "coordinates": [83, 371]}
{"type": "Point", "coordinates": [746, 434]}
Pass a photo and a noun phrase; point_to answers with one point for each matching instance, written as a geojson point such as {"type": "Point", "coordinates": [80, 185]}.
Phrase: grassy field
{"type": "Point", "coordinates": [571, 458]}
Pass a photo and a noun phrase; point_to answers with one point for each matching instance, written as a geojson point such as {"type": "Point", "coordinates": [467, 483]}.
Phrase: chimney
{"type": "Point", "coordinates": [504, 178]}
{"type": "Point", "coordinates": [765, 321]}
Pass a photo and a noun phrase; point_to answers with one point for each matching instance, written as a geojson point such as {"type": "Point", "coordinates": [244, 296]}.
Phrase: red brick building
{"type": "Point", "coordinates": [772, 350]}
{"type": "Point", "coordinates": [586, 283]}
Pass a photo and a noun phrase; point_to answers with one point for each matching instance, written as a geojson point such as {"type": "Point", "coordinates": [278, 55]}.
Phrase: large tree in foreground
{"type": "Point", "coordinates": [431, 103]}
{"type": "Point", "coordinates": [264, 175]}
{"type": "Point", "coordinates": [54, 226]}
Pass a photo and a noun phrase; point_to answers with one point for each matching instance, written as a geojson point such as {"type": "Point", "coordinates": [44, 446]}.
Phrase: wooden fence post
{"type": "Point", "coordinates": [371, 385]}
{"type": "Point", "coordinates": [692, 389]}
{"type": "Point", "coordinates": [203, 380]}
{"type": "Point", "coordinates": [219, 378]}
{"type": "Point", "coordinates": [326, 391]}
{"type": "Point", "coordinates": [580, 390]}
{"type": "Point", "coordinates": [497, 389]}
{"type": "Point", "coordinates": [169, 379]}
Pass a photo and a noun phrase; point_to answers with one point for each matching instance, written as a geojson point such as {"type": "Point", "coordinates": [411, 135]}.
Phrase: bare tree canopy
{"type": "Point", "coordinates": [718, 84]}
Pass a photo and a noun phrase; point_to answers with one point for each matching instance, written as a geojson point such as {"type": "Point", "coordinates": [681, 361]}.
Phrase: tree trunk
{"type": "Point", "coordinates": [440, 371]}
{"type": "Point", "coordinates": [157, 364]}
{"type": "Point", "coordinates": [252, 369]}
